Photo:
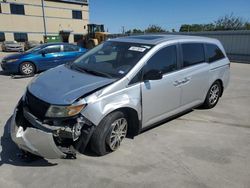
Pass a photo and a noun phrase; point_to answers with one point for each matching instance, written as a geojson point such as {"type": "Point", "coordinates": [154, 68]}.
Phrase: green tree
{"type": "Point", "coordinates": [185, 28]}
{"type": "Point", "coordinates": [134, 31]}
{"type": "Point", "coordinates": [247, 26]}
{"type": "Point", "coordinates": [154, 29]}
{"type": "Point", "coordinates": [192, 28]}
{"type": "Point", "coordinates": [208, 27]}
{"type": "Point", "coordinates": [137, 31]}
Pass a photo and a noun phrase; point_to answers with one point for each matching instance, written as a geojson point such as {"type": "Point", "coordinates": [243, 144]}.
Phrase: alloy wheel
{"type": "Point", "coordinates": [118, 133]}
{"type": "Point", "coordinates": [214, 94]}
{"type": "Point", "coordinates": [27, 68]}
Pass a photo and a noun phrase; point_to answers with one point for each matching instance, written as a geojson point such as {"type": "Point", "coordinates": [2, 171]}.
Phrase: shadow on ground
{"type": "Point", "coordinates": [10, 151]}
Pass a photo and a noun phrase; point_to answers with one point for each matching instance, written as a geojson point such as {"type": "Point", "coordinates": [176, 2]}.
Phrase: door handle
{"type": "Point", "coordinates": [185, 80]}
{"type": "Point", "coordinates": [176, 83]}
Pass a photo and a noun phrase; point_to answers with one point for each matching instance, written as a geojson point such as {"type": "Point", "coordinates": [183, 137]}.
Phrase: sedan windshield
{"type": "Point", "coordinates": [111, 59]}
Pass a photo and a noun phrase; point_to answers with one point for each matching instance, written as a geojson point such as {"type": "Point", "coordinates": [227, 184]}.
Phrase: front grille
{"type": "Point", "coordinates": [36, 106]}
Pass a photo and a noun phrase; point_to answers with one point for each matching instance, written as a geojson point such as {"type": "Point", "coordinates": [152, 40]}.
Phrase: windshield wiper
{"type": "Point", "coordinates": [75, 67]}
{"type": "Point", "coordinates": [97, 73]}
{"type": "Point", "coordinates": [93, 72]}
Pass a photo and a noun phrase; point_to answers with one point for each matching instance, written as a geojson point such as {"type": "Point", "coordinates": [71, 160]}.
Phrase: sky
{"type": "Point", "coordinates": [169, 14]}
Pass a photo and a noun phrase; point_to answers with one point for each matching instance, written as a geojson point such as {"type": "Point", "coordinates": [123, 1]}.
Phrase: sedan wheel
{"type": "Point", "coordinates": [27, 68]}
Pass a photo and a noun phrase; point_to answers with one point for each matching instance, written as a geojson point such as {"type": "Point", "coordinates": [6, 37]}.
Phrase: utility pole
{"type": "Point", "coordinates": [44, 19]}
{"type": "Point", "coordinates": [123, 29]}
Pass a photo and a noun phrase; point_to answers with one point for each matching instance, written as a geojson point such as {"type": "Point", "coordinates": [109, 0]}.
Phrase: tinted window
{"type": "Point", "coordinates": [17, 9]}
{"type": "Point", "coordinates": [70, 48]}
{"type": "Point", "coordinates": [164, 60]}
{"type": "Point", "coordinates": [76, 14]}
{"type": "Point", "coordinates": [20, 37]}
{"type": "Point", "coordinates": [52, 49]}
{"type": "Point", "coordinates": [2, 37]}
{"type": "Point", "coordinates": [0, 8]}
{"type": "Point", "coordinates": [78, 37]}
{"type": "Point", "coordinates": [193, 53]}
{"type": "Point", "coordinates": [213, 53]}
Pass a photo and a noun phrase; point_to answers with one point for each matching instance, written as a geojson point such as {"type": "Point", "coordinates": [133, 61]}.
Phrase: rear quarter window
{"type": "Point", "coordinates": [213, 53]}
{"type": "Point", "coordinates": [193, 53]}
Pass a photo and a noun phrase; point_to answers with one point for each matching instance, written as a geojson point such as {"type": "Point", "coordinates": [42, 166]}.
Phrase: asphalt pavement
{"type": "Point", "coordinates": [203, 148]}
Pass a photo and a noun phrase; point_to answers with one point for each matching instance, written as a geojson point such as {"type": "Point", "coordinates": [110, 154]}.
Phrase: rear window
{"type": "Point", "coordinates": [213, 53]}
{"type": "Point", "coordinates": [193, 53]}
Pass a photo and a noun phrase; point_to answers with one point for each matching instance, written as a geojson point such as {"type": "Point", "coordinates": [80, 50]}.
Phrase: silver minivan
{"type": "Point", "coordinates": [116, 90]}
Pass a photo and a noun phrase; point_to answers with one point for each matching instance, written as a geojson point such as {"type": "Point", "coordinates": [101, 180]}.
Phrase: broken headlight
{"type": "Point", "coordinates": [64, 111]}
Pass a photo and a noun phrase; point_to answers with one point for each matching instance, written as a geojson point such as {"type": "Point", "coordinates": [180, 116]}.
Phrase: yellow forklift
{"type": "Point", "coordinates": [96, 35]}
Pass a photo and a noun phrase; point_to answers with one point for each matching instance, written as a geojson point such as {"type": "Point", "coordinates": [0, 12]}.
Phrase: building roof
{"type": "Point", "coordinates": [156, 39]}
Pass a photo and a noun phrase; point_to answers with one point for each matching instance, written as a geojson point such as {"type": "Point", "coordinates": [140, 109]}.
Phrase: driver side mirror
{"type": "Point", "coordinates": [43, 53]}
{"type": "Point", "coordinates": [152, 75]}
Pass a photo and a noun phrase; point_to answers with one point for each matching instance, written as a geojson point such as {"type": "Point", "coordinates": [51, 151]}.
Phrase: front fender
{"type": "Point", "coordinates": [127, 98]}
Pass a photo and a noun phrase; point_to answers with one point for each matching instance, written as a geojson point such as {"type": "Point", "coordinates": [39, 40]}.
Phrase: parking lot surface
{"type": "Point", "coordinates": [203, 148]}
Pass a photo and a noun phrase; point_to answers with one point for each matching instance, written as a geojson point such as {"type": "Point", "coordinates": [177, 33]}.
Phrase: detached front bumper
{"type": "Point", "coordinates": [36, 141]}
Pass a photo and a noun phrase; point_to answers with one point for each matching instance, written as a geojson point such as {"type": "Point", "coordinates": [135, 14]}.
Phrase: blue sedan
{"type": "Point", "coordinates": [41, 58]}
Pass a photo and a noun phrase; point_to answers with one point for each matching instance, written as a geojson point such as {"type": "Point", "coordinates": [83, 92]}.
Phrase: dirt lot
{"type": "Point", "coordinates": [204, 148]}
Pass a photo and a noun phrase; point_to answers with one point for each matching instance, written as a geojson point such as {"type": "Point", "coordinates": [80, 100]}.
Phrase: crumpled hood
{"type": "Point", "coordinates": [63, 86]}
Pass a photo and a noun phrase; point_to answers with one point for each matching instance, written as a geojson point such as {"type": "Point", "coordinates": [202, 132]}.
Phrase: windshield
{"type": "Point", "coordinates": [111, 59]}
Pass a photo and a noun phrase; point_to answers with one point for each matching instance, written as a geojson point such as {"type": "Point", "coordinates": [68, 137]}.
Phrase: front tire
{"type": "Point", "coordinates": [213, 95]}
{"type": "Point", "coordinates": [27, 68]}
{"type": "Point", "coordinates": [109, 133]}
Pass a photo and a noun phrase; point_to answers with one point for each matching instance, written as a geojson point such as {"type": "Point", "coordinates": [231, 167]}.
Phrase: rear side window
{"type": "Point", "coordinates": [70, 48]}
{"type": "Point", "coordinates": [213, 53]}
{"type": "Point", "coordinates": [193, 53]}
{"type": "Point", "coordinates": [164, 60]}
{"type": "Point", "coordinates": [52, 49]}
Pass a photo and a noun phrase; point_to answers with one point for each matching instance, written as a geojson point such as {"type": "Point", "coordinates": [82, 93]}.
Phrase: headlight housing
{"type": "Point", "coordinates": [11, 60]}
{"type": "Point", "coordinates": [64, 111]}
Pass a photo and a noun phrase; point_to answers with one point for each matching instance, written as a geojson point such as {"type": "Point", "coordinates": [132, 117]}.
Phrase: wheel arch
{"type": "Point", "coordinates": [221, 84]}
{"type": "Point", "coordinates": [134, 124]}
{"type": "Point", "coordinates": [28, 61]}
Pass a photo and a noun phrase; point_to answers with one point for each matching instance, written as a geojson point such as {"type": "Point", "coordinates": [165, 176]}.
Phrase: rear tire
{"type": "Point", "coordinates": [213, 95]}
{"type": "Point", "coordinates": [109, 133]}
{"type": "Point", "coordinates": [27, 68]}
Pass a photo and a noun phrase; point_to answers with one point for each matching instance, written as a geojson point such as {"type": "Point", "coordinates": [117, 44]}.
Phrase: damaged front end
{"type": "Point", "coordinates": [50, 137]}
